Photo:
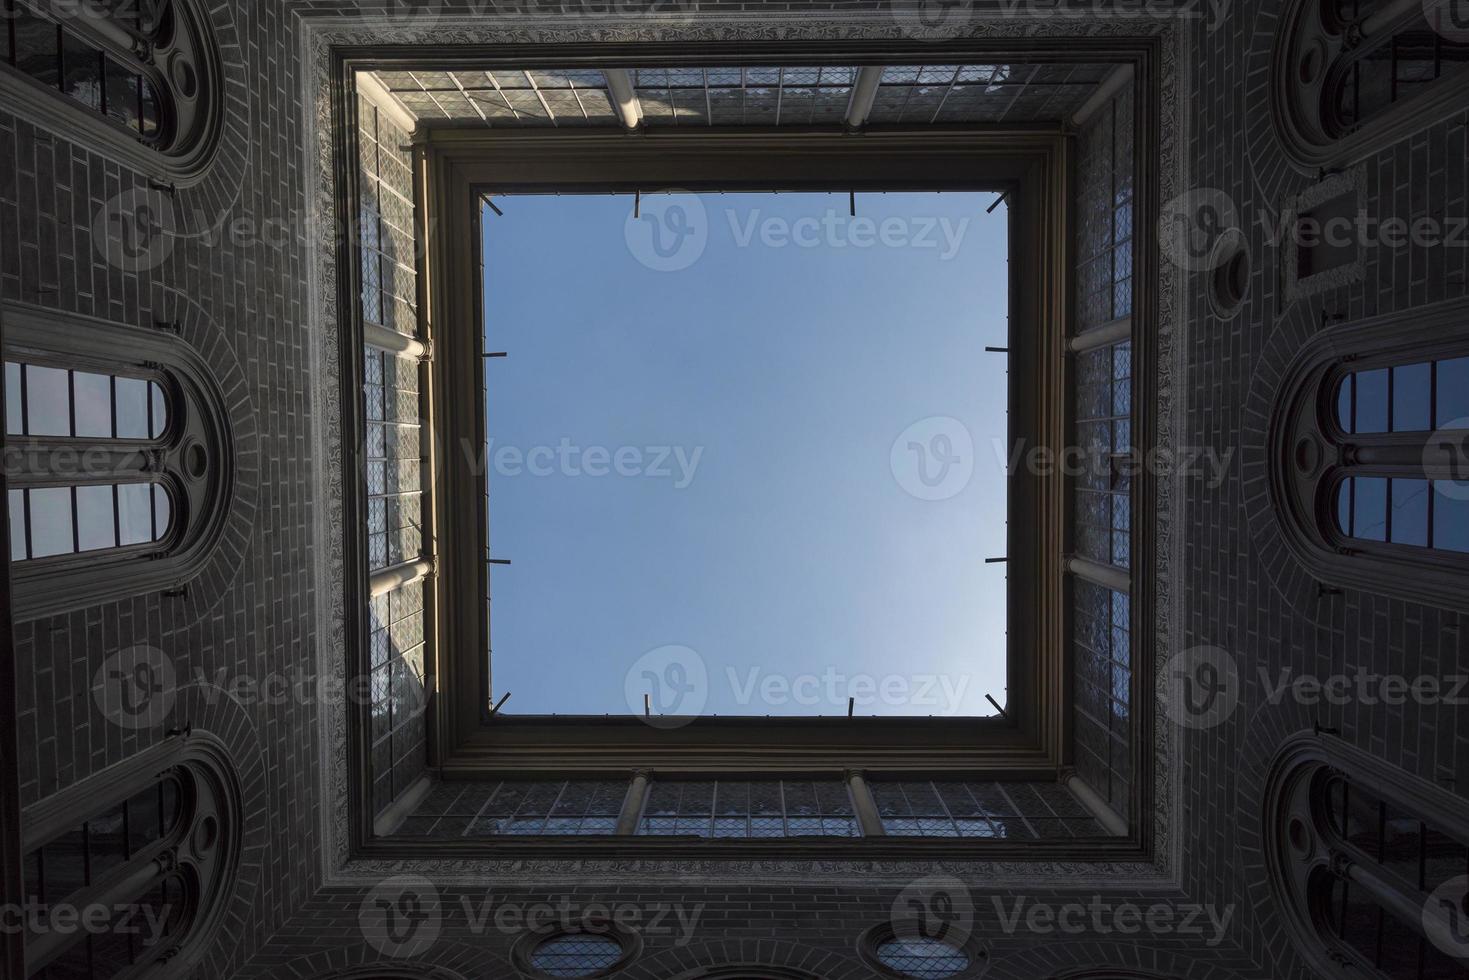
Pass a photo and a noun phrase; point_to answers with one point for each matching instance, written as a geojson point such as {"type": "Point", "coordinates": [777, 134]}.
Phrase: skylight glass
{"type": "Point", "coordinates": [746, 454]}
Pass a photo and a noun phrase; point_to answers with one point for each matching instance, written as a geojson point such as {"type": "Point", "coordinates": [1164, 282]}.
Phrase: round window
{"type": "Point", "coordinates": [923, 959]}
{"type": "Point", "coordinates": [576, 954]}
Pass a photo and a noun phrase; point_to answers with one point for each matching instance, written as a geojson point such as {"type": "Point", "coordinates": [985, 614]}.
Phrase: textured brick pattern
{"type": "Point", "coordinates": [1241, 592]}
{"type": "Point", "coordinates": [239, 297]}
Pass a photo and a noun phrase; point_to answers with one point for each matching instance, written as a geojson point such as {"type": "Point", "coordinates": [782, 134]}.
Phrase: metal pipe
{"type": "Point", "coordinates": [1099, 808]}
{"type": "Point", "coordinates": [379, 95]}
{"type": "Point", "coordinates": [400, 344]}
{"type": "Point", "coordinates": [864, 93]}
{"type": "Point", "coordinates": [1108, 577]}
{"type": "Point", "coordinates": [391, 579]}
{"type": "Point", "coordinates": [392, 817]}
{"type": "Point", "coordinates": [1121, 76]}
{"type": "Point", "coordinates": [1104, 336]}
{"type": "Point", "coordinates": [624, 96]}
{"type": "Point", "coordinates": [632, 804]}
{"type": "Point", "coordinates": [867, 816]}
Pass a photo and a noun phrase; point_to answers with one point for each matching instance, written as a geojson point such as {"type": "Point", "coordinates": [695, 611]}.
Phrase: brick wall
{"type": "Point", "coordinates": [238, 290]}
{"type": "Point", "coordinates": [249, 290]}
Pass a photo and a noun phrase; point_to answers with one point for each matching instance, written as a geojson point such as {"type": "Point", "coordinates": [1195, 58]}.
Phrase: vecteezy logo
{"type": "Point", "coordinates": [667, 687]}
{"type": "Point", "coordinates": [402, 916]}
{"type": "Point", "coordinates": [933, 459]}
{"type": "Point", "coordinates": [1446, 917]}
{"type": "Point", "coordinates": [136, 230]}
{"type": "Point", "coordinates": [668, 232]}
{"type": "Point", "coordinates": [932, 20]}
{"type": "Point", "coordinates": [1447, 454]}
{"type": "Point", "coordinates": [1448, 18]}
{"type": "Point", "coordinates": [937, 907]}
{"type": "Point", "coordinates": [1202, 687]}
{"type": "Point", "coordinates": [1191, 225]}
{"type": "Point", "coordinates": [415, 14]}
{"type": "Point", "coordinates": [135, 688]}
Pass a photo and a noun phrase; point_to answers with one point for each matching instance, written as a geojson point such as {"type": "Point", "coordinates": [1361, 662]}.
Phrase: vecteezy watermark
{"type": "Point", "coordinates": [1206, 463]}
{"type": "Point", "coordinates": [670, 231]}
{"type": "Point", "coordinates": [1365, 688]}
{"type": "Point", "coordinates": [932, 20]}
{"type": "Point", "coordinates": [936, 694]}
{"type": "Point", "coordinates": [1202, 687]}
{"type": "Point", "coordinates": [402, 916]}
{"type": "Point", "coordinates": [1364, 229]}
{"type": "Point", "coordinates": [1446, 917]}
{"type": "Point", "coordinates": [937, 907]}
{"type": "Point", "coordinates": [838, 231]}
{"type": "Point", "coordinates": [1447, 451]}
{"type": "Point", "coordinates": [941, 20]}
{"type": "Point", "coordinates": [1448, 18]}
{"type": "Point", "coordinates": [414, 14]}
{"type": "Point", "coordinates": [1191, 225]}
{"type": "Point", "coordinates": [567, 459]}
{"type": "Point", "coordinates": [147, 922]}
{"type": "Point", "coordinates": [667, 687]}
{"type": "Point", "coordinates": [1101, 916]}
{"type": "Point", "coordinates": [933, 459]}
{"type": "Point", "coordinates": [1194, 227]}
{"type": "Point", "coordinates": [425, 14]}
{"type": "Point", "coordinates": [135, 688]}
{"type": "Point", "coordinates": [667, 231]}
{"type": "Point", "coordinates": [567, 913]}
{"type": "Point", "coordinates": [136, 230]}
{"type": "Point", "coordinates": [109, 11]}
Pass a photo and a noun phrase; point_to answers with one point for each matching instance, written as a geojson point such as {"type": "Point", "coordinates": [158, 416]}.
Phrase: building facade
{"type": "Point", "coordinates": [249, 722]}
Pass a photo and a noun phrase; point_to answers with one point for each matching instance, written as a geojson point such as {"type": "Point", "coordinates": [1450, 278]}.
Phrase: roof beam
{"type": "Point", "coordinates": [864, 93]}
{"type": "Point", "coordinates": [1110, 86]}
{"type": "Point", "coordinates": [371, 88]}
{"type": "Point", "coordinates": [624, 97]}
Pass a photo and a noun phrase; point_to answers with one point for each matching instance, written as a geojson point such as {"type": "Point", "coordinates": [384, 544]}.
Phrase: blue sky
{"type": "Point", "coordinates": [714, 441]}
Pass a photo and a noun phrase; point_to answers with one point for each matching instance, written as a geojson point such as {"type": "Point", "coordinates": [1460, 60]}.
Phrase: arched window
{"type": "Point", "coordinates": [1362, 857]}
{"type": "Point", "coordinates": [117, 457]}
{"type": "Point", "coordinates": [138, 73]}
{"type": "Point", "coordinates": [1368, 448]}
{"type": "Point", "coordinates": [147, 851]}
{"type": "Point", "coordinates": [1346, 71]}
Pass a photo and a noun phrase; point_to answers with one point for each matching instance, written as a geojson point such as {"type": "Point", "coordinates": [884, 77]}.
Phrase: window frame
{"type": "Point", "coordinates": [1302, 849]}
{"type": "Point", "coordinates": [1299, 117]}
{"type": "Point", "coordinates": [448, 194]}
{"type": "Point", "coordinates": [1311, 454]}
{"type": "Point", "coordinates": [187, 157]}
{"type": "Point", "coordinates": [198, 420]}
{"type": "Point", "coordinates": [1030, 166]}
{"type": "Point", "coordinates": [196, 759]}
